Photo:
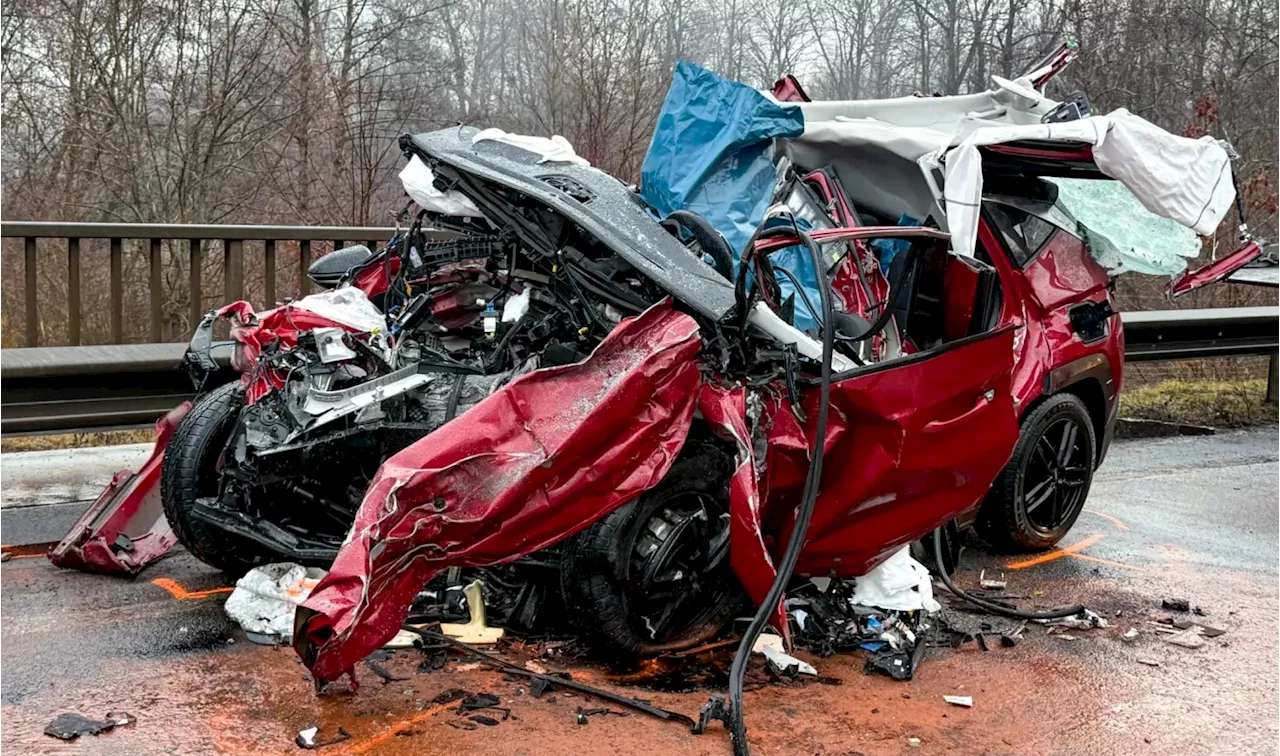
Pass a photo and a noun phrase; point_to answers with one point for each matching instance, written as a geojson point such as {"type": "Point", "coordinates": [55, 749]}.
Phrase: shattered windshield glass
{"type": "Point", "coordinates": [1122, 235]}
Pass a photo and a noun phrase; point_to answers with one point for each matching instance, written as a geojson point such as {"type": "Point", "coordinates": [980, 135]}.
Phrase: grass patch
{"type": "Point", "coordinates": [77, 440]}
{"type": "Point", "coordinates": [1219, 404]}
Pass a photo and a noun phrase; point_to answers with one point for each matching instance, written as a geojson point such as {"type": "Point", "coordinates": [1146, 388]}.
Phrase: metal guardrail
{"type": "Point", "coordinates": [1188, 334]}
{"type": "Point", "coordinates": [201, 240]}
{"type": "Point", "coordinates": [64, 389]}
{"type": "Point", "coordinates": [95, 388]}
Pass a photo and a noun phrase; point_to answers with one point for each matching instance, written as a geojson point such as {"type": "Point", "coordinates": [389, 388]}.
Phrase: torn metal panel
{"type": "Point", "coordinates": [533, 463]}
{"type": "Point", "coordinates": [125, 529]}
{"type": "Point", "coordinates": [1215, 271]}
{"type": "Point", "coordinates": [725, 410]}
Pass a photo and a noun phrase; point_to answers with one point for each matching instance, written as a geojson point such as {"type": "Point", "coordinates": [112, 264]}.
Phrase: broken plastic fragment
{"type": "Point", "coordinates": [771, 646]}
{"type": "Point", "coordinates": [965, 701]}
{"type": "Point", "coordinates": [475, 631]}
{"type": "Point", "coordinates": [69, 726]}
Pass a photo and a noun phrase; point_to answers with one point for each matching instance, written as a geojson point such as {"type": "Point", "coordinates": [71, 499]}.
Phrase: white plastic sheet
{"type": "Point", "coordinates": [899, 583]}
{"type": "Point", "coordinates": [419, 184]}
{"type": "Point", "coordinates": [264, 599]}
{"type": "Point", "coordinates": [557, 149]}
{"type": "Point", "coordinates": [348, 306]}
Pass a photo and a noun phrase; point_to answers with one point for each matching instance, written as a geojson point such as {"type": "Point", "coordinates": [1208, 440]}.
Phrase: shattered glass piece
{"type": "Point", "coordinates": [1121, 234]}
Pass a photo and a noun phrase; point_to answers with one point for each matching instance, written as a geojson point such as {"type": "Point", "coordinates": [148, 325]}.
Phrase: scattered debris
{"type": "Point", "coordinates": [402, 639]}
{"type": "Point", "coordinates": [449, 696]}
{"type": "Point", "coordinates": [264, 639]}
{"type": "Point", "coordinates": [68, 726]}
{"type": "Point", "coordinates": [475, 631]}
{"type": "Point", "coordinates": [771, 646]}
{"type": "Point", "coordinates": [1149, 662]}
{"type": "Point", "coordinates": [991, 585]}
{"type": "Point", "coordinates": [383, 672]}
{"type": "Point", "coordinates": [1176, 605]}
{"type": "Point", "coordinates": [563, 680]}
{"type": "Point", "coordinates": [965, 701]}
{"type": "Point", "coordinates": [1130, 635]}
{"type": "Point", "coordinates": [477, 701]}
{"type": "Point", "coordinates": [584, 714]}
{"type": "Point", "coordinates": [307, 738]}
{"type": "Point", "coordinates": [482, 719]}
{"type": "Point", "coordinates": [1190, 638]}
{"type": "Point", "coordinates": [264, 600]}
{"type": "Point", "coordinates": [913, 742]}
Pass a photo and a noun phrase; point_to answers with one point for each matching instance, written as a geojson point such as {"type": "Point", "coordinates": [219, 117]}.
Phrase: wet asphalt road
{"type": "Point", "coordinates": [1193, 518]}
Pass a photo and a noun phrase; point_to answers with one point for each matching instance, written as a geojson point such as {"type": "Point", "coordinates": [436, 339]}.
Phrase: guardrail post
{"type": "Point", "coordinates": [269, 272]}
{"type": "Point", "coordinates": [157, 293]}
{"type": "Point", "coordinates": [1273, 365]}
{"type": "Point", "coordinates": [233, 270]}
{"type": "Point", "coordinates": [304, 262]}
{"type": "Point", "coordinates": [33, 314]}
{"type": "Point", "coordinates": [73, 291]}
{"type": "Point", "coordinates": [197, 298]}
{"type": "Point", "coordinates": [117, 291]}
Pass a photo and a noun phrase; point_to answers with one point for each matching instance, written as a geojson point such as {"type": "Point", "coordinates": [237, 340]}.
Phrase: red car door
{"type": "Point", "coordinates": [910, 445]}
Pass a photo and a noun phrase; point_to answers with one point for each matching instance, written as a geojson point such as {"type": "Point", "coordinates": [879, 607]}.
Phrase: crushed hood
{"type": "Point", "coordinates": [597, 202]}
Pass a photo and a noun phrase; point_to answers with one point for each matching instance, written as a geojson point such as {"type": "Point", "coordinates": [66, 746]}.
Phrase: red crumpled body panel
{"type": "Point", "coordinates": [258, 330]}
{"type": "Point", "coordinates": [725, 410]}
{"type": "Point", "coordinates": [533, 463]}
{"type": "Point", "coordinates": [1190, 280]}
{"type": "Point", "coordinates": [129, 507]}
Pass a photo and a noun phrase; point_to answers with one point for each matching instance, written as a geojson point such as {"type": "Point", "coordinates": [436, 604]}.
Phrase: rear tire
{"type": "Point", "coordinates": [1041, 492]}
{"type": "Point", "coordinates": [672, 541]}
{"type": "Point", "coordinates": [191, 471]}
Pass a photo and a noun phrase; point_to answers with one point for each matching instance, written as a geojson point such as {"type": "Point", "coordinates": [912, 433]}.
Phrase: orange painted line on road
{"type": "Point", "coordinates": [178, 591]}
{"type": "Point", "coordinates": [1049, 556]}
{"type": "Point", "coordinates": [1113, 520]}
{"type": "Point", "coordinates": [365, 746]}
{"type": "Point", "coordinates": [1108, 562]}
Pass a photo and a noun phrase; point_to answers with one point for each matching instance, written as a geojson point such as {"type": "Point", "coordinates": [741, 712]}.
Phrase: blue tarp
{"type": "Point", "coordinates": [711, 151]}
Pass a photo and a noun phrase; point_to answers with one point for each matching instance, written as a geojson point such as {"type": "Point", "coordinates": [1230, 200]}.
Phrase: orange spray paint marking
{"type": "Point", "coordinates": [365, 746]}
{"type": "Point", "coordinates": [179, 592]}
{"type": "Point", "coordinates": [1084, 543]}
{"type": "Point", "coordinates": [1113, 520]}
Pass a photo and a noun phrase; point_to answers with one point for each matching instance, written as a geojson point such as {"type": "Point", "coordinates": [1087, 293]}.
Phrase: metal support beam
{"type": "Point", "coordinates": [1272, 378]}
{"type": "Point", "coordinates": [73, 291]}
{"type": "Point", "coordinates": [32, 283]}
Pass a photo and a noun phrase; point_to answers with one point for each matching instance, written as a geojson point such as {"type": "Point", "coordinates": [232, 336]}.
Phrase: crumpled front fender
{"type": "Point", "coordinates": [535, 462]}
{"type": "Point", "coordinates": [125, 529]}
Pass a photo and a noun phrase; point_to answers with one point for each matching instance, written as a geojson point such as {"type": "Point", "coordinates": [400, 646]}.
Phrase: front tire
{"type": "Point", "coordinates": [191, 470]}
{"type": "Point", "coordinates": [1041, 492]}
{"type": "Point", "coordinates": [653, 575]}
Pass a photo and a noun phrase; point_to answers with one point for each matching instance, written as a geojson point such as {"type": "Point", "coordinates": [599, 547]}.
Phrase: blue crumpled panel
{"type": "Point", "coordinates": [712, 153]}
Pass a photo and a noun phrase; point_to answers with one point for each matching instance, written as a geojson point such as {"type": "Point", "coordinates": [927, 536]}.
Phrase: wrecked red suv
{"type": "Point", "coordinates": [643, 408]}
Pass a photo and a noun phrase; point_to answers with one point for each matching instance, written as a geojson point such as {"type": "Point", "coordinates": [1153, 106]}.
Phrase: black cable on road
{"type": "Point", "coordinates": [997, 609]}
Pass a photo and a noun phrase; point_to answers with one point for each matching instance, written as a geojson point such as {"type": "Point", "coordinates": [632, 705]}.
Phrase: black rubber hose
{"type": "Point", "coordinates": [812, 485]}
{"type": "Point", "coordinates": [997, 609]}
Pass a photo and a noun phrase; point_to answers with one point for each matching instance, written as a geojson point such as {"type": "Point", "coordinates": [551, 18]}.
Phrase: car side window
{"type": "Point", "coordinates": [1023, 232]}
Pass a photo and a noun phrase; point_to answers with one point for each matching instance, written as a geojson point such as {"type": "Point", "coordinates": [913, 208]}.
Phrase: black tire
{"type": "Point", "coordinates": [190, 471]}
{"type": "Point", "coordinates": [604, 570]}
{"type": "Point", "coordinates": [1030, 506]}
